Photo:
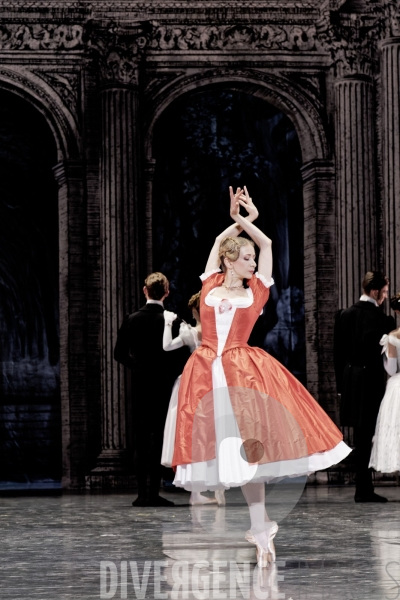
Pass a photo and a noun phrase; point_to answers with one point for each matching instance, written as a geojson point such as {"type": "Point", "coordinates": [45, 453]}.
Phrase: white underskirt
{"type": "Point", "coordinates": [229, 468]}
{"type": "Point", "coordinates": [385, 456]}
{"type": "Point", "coordinates": [199, 477]}
{"type": "Point", "coordinates": [170, 426]}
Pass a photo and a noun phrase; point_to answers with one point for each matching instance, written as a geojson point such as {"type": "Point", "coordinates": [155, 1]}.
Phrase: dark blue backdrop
{"type": "Point", "coordinates": [203, 143]}
{"type": "Point", "coordinates": [30, 423]}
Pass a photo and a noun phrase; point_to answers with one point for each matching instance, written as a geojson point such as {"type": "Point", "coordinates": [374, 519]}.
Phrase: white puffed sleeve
{"type": "Point", "coordinates": [384, 342]}
{"type": "Point", "coordinates": [264, 280]}
{"type": "Point", "coordinates": [389, 363]}
{"type": "Point", "coordinates": [208, 274]}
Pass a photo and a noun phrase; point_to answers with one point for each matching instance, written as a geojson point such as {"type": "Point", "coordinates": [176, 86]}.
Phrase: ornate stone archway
{"type": "Point", "coordinates": [305, 112]}
{"type": "Point", "coordinates": [318, 176]}
{"type": "Point", "coordinates": [104, 71]}
{"type": "Point", "coordinates": [37, 91]}
{"type": "Point", "coordinates": [69, 174]}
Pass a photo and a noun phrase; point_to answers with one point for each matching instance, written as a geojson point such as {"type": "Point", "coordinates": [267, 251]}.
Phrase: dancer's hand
{"type": "Point", "coordinates": [247, 203]}
{"type": "Point", "coordinates": [169, 317]}
{"type": "Point", "coordinates": [235, 228]}
{"type": "Point", "coordinates": [235, 206]}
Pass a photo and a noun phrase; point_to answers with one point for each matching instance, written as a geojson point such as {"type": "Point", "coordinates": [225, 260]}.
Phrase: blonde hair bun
{"type": "Point", "coordinates": [230, 248]}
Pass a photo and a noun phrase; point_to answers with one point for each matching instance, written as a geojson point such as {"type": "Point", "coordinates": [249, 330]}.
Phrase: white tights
{"type": "Point", "coordinates": [254, 494]}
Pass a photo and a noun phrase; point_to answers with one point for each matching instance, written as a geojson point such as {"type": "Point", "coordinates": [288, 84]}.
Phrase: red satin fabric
{"type": "Point", "coordinates": [270, 405]}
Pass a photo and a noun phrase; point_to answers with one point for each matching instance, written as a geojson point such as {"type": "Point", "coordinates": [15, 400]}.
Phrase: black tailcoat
{"type": "Point", "coordinates": [139, 346]}
{"type": "Point", "coordinates": [360, 374]}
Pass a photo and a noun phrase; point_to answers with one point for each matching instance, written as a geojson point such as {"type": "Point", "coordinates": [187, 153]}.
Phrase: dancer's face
{"type": "Point", "coordinates": [245, 264]}
{"type": "Point", "coordinates": [380, 295]}
{"type": "Point", "coordinates": [383, 294]}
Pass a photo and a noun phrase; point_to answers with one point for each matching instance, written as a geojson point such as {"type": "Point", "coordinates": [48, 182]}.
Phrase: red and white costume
{"type": "Point", "coordinates": [231, 393]}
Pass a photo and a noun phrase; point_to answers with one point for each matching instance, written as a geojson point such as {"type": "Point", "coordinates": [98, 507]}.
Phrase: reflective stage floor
{"type": "Point", "coordinates": [83, 546]}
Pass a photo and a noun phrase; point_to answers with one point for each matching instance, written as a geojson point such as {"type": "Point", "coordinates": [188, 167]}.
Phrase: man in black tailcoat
{"type": "Point", "coordinates": [139, 346]}
{"type": "Point", "coordinates": [360, 374]}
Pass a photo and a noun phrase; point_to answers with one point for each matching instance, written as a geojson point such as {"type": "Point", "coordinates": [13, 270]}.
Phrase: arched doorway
{"type": "Point", "coordinates": [204, 142]}
{"type": "Point", "coordinates": [30, 421]}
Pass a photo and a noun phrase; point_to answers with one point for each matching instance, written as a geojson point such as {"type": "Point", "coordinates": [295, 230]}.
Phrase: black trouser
{"type": "Point", "coordinates": [148, 443]}
{"type": "Point", "coordinates": [363, 444]}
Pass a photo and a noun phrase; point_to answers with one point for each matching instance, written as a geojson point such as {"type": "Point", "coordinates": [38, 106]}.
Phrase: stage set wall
{"type": "Point", "coordinates": [102, 74]}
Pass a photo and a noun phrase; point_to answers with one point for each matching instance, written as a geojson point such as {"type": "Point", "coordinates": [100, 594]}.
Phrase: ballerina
{"type": "Point", "coordinates": [243, 419]}
{"type": "Point", "coordinates": [385, 455]}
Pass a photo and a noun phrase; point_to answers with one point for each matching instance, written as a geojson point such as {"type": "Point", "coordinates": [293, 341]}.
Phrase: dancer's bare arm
{"type": "Point", "coordinates": [232, 231]}
{"type": "Point", "coordinates": [262, 241]}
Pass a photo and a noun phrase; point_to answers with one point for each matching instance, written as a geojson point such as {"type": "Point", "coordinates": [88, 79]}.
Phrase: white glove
{"type": "Point", "coordinates": [169, 317]}
{"type": "Point", "coordinates": [185, 333]}
{"type": "Point", "coordinates": [390, 365]}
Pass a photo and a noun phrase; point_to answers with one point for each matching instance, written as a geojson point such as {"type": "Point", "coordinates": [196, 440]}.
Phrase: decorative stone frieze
{"type": "Point", "coordinates": [235, 37]}
{"type": "Point", "coordinates": [117, 5]}
{"type": "Point", "coordinates": [48, 36]}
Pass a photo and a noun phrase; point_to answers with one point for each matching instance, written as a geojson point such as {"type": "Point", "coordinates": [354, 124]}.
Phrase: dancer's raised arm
{"type": "Point", "coordinates": [262, 241]}
{"type": "Point", "coordinates": [185, 337]}
{"type": "Point", "coordinates": [232, 231]}
{"type": "Point", "coordinates": [168, 342]}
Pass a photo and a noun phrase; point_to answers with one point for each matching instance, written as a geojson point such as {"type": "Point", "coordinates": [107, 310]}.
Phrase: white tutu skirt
{"type": "Point", "coordinates": [385, 456]}
{"type": "Point", "coordinates": [230, 468]}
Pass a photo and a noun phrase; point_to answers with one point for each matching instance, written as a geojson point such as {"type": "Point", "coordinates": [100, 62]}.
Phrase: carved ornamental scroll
{"type": "Point", "coordinates": [249, 37]}
{"type": "Point", "coordinates": [273, 36]}
{"type": "Point", "coordinates": [40, 37]}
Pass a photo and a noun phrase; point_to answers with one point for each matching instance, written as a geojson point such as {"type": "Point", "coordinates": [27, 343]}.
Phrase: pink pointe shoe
{"type": "Point", "coordinates": [220, 497]}
{"type": "Point", "coordinates": [265, 555]}
{"type": "Point", "coordinates": [196, 499]}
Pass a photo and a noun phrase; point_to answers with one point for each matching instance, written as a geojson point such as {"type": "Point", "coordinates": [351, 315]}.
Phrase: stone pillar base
{"type": "Point", "coordinates": [111, 462]}
{"type": "Point", "coordinates": [97, 481]}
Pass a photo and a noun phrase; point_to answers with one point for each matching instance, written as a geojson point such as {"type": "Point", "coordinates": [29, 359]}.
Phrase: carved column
{"type": "Point", "coordinates": [391, 158]}
{"type": "Point", "coordinates": [319, 275]}
{"type": "Point", "coordinates": [69, 175]}
{"type": "Point", "coordinates": [356, 194]}
{"type": "Point", "coordinates": [121, 258]}
{"type": "Point", "coordinates": [350, 38]}
{"type": "Point", "coordinates": [149, 175]}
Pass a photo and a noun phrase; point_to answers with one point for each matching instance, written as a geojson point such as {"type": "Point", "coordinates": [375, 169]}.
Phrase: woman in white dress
{"type": "Point", "coordinates": [191, 337]}
{"type": "Point", "coordinates": [385, 456]}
